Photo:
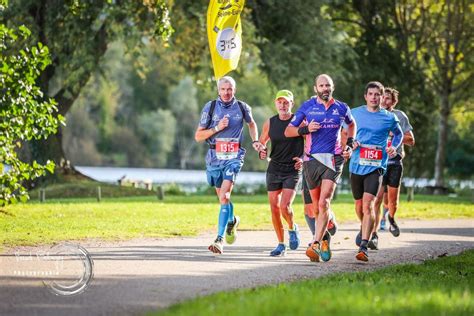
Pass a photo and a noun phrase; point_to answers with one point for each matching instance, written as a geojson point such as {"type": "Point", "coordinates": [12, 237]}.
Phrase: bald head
{"type": "Point", "coordinates": [324, 87]}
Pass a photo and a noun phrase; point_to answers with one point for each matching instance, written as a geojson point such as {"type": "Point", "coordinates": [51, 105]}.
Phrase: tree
{"type": "Point", "coordinates": [437, 38]}
{"type": "Point", "coordinates": [184, 106]}
{"type": "Point", "coordinates": [159, 129]}
{"type": "Point", "coordinates": [78, 34]}
{"type": "Point", "coordinates": [24, 112]}
{"type": "Point", "coordinates": [297, 41]}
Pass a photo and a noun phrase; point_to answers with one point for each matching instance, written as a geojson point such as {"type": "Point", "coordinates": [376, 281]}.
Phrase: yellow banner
{"type": "Point", "coordinates": [224, 32]}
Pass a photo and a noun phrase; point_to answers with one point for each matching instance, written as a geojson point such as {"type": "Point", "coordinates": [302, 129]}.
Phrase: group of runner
{"type": "Point", "coordinates": [312, 144]}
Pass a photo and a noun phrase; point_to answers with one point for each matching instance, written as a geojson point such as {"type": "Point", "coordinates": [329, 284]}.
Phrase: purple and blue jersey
{"type": "Point", "coordinates": [327, 139]}
{"type": "Point", "coordinates": [232, 131]}
{"type": "Point", "coordinates": [373, 129]}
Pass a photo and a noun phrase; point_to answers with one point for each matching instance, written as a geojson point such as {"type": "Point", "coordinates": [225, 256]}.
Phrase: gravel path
{"type": "Point", "coordinates": [139, 275]}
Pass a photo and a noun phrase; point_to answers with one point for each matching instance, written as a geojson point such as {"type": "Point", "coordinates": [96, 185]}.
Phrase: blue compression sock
{"type": "Point", "coordinates": [311, 221]}
{"type": "Point", "coordinates": [231, 212]}
{"type": "Point", "coordinates": [223, 219]}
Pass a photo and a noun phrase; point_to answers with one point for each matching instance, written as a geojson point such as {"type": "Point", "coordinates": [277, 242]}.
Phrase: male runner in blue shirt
{"type": "Point", "coordinates": [369, 159]}
{"type": "Point", "coordinates": [324, 155]}
{"type": "Point", "coordinates": [221, 126]}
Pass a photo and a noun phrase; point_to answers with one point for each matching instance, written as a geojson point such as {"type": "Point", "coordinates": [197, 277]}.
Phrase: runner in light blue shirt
{"type": "Point", "coordinates": [369, 159]}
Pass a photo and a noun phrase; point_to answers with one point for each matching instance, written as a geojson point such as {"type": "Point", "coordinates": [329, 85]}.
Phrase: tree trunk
{"type": "Point", "coordinates": [442, 139]}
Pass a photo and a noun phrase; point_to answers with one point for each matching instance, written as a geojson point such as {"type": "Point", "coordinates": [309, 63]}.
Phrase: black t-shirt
{"type": "Point", "coordinates": [283, 148]}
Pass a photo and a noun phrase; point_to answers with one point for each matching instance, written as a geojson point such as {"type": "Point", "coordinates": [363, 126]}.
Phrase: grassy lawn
{"type": "Point", "coordinates": [121, 218]}
{"type": "Point", "coordinates": [436, 287]}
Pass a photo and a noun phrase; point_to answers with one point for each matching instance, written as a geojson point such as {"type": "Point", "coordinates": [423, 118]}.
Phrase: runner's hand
{"type": "Point", "coordinates": [258, 146]}
{"type": "Point", "coordinates": [391, 151]}
{"type": "Point", "coordinates": [347, 153]}
{"type": "Point", "coordinates": [262, 154]}
{"type": "Point", "coordinates": [298, 163]}
{"type": "Point", "coordinates": [223, 123]}
{"type": "Point", "coordinates": [313, 126]}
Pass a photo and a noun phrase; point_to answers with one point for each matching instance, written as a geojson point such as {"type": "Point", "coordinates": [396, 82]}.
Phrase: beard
{"type": "Point", "coordinates": [324, 96]}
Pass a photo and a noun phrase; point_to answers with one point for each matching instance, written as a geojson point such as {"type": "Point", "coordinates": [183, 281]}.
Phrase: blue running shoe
{"type": "Point", "coordinates": [359, 238]}
{"type": "Point", "coordinates": [279, 251]}
{"type": "Point", "coordinates": [326, 247]}
{"type": "Point", "coordinates": [383, 221]}
{"type": "Point", "coordinates": [294, 237]}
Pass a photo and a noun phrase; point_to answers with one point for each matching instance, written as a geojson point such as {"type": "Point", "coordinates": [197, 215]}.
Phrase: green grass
{"type": "Point", "coordinates": [436, 287]}
{"type": "Point", "coordinates": [130, 217]}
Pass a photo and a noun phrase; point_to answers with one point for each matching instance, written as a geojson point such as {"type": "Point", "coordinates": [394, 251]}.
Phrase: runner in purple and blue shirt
{"type": "Point", "coordinates": [324, 155]}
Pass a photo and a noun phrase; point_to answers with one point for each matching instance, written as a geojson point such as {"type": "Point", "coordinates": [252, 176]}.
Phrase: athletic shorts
{"type": "Point", "coordinates": [314, 171]}
{"type": "Point", "coordinates": [393, 176]}
{"type": "Point", "coordinates": [280, 181]}
{"type": "Point", "coordinates": [306, 195]}
{"type": "Point", "coordinates": [229, 171]}
{"type": "Point", "coordinates": [367, 183]}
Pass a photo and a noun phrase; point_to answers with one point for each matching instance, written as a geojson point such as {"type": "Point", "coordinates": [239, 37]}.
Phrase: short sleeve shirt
{"type": "Point", "coordinates": [327, 139]}
{"type": "Point", "coordinates": [373, 129]}
{"type": "Point", "coordinates": [233, 130]}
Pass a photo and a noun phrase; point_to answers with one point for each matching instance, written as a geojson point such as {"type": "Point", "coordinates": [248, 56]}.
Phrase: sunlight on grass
{"type": "Point", "coordinates": [436, 287]}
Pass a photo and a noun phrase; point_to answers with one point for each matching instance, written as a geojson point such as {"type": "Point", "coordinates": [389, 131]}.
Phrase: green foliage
{"type": "Point", "coordinates": [78, 34]}
{"type": "Point", "coordinates": [297, 41]}
{"type": "Point", "coordinates": [159, 130]}
{"type": "Point", "coordinates": [435, 287]}
{"type": "Point", "coordinates": [24, 113]}
{"type": "Point", "coordinates": [183, 104]}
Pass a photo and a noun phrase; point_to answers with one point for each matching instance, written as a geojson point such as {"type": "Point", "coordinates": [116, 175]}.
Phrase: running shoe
{"type": "Point", "coordinates": [363, 254]}
{"type": "Point", "coordinates": [326, 247]}
{"type": "Point", "coordinates": [394, 229]}
{"type": "Point", "coordinates": [383, 221]}
{"type": "Point", "coordinates": [217, 246]}
{"type": "Point", "coordinates": [279, 251]}
{"type": "Point", "coordinates": [231, 231]}
{"type": "Point", "coordinates": [294, 237]}
{"type": "Point", "coordinates": [332, 224]}
{"type": "Point", "coordinates": [313, 252]}
{"type": "Point", "coordinates": [359, 238]}
{"type": "Point", "coordinates": [374, 242]}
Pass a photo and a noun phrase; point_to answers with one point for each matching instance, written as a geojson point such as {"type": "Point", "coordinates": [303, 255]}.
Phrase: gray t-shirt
{"type": "Point", "coordinates": [406, 127]}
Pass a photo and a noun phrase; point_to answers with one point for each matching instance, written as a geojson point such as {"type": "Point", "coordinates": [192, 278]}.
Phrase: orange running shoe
{"type": "Point", "coordinates": [313, 252]}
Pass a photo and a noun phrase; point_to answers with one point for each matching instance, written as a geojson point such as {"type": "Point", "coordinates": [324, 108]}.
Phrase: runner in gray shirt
{"type": "Point", "coordinates": [390, 193]}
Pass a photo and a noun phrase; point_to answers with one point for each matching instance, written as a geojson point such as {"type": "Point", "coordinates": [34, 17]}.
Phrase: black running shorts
{"type": "Point", "coordinates": [368, 183]}
{"type": "Point", "coordinates": [393, 176]}
{"type": "Point", "coordinates": [277, 182]}
{"type": "Point", "coordinates": [306, 194]}
{"type": "Point", "coordinates": [314, 171]}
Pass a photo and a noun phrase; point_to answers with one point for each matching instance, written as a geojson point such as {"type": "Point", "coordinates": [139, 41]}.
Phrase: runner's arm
{"type": "Point", "coordinates": [253, 131]}
{"type": "Point", "coordinates": [409, 138]}
{"type": "Point", "coordinates": [396, 141]}
{"type": "Point", "coordinates": [264, 137]}
{"type": "Point", "coordinates": [202, 133]}
{"type": "Point", "coordinates": [397, 136]}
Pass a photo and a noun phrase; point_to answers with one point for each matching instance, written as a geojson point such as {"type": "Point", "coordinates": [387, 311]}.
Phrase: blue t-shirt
{"type": "Point", "coordinates": [327, 139]}
{"type": "Point", "coordinates": [373, 129]}
{"type": "Point", "coordinates": [233, 130]}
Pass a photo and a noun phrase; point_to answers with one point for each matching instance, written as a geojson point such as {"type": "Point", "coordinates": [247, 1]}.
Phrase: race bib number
{"type": "Point", "coordinates": [370, 155]}
{"type": "Point", "coordinates": [227, 148]}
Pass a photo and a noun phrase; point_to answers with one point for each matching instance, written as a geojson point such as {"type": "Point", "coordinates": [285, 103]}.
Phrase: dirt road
{"type": "Point", "coordinates": [139, 275]}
